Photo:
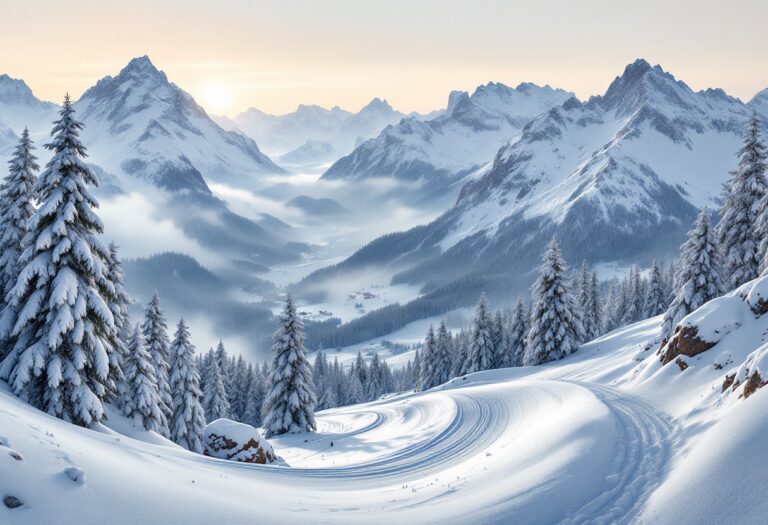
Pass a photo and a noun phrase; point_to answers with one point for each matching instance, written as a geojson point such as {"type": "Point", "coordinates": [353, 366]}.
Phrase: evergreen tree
{"type": "Point", "coordinates": [142, 400]}
{"type": "Point", "coordinates": [481, 351]}
{"type": "Point", "coordinates": [416, 370]}
{"type": "Point", "coordinates": [239, 389]}
{"type": "Point", "coordinates": [257, 392]}
{"type": "Point", "coordinates": [555, 325]}
{"type": "Point", "coordinates": [188, 420]}
{"type": "Point", "coordinates": [373, 386]}
{"type": "Point", "coordinates": [57, 313]}
{"type": "Point", "coordinates": [584, 298]}
{"type": "Point", "coordinates": [497, 331]}
{"type": "Point", "coordinates": [442, 368]}
{"type": "Point", "coordinates": [356, 393]}
{"type": "Point", "coordinates": [291, 400]}
{"type": "Point", "coordinates": [699, 274]}
{"type": "Point", "coordinates": [155, 331]}
{"type": "Point", "coordinates": [635, 298]}
{"type": "Point", "coordinates": [517, 334]}
{"type": "Point", "coordinates": [655, 300]}
{"type": "Point", "coordinates": [594, 326]}
{"type": "Point", "coordinates": [737, 231]}
{"type": "Point", "coordinates": [17, 196]}
{"type": "Point", "coordinates": [460, 358]}
{"type": "Point", "coordinates": [428, 361]}
{"type": "Point", "coordinates": [118, 303]}
{"type": "Point", "coordinates": [215, 402]}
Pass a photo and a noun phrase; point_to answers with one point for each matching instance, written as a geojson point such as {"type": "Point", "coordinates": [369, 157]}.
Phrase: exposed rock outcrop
{"type": "Point", "coordinates": [227, 439]}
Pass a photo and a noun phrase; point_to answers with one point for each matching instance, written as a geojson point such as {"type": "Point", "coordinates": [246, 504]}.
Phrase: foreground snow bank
{"type": "Point", "coordinates": [227, 439]}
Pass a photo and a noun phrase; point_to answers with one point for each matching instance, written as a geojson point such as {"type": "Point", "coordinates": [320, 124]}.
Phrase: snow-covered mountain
{"type": "Point", "coordinates": [759, 102]}
{"type": "Point", "coordinates": [140, 124]}
{"type": "Point", "coordinates": [343, 130]}
{"type": "Point", "coordinates": [19, 108]}
{"type": "Point", "coordinates": [617, 178]}
{"type": "Point", "coordinates": [464, 137]}
{"type": "Point", "coordinates": [312, 151]}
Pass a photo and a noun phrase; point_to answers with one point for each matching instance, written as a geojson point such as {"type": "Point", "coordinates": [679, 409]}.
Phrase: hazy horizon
{"type": "Point", "coordinates": [274, 57]}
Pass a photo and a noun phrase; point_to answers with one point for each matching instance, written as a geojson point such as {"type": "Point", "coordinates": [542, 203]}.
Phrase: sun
{"type": "Point", "coordinates": [216, 98]}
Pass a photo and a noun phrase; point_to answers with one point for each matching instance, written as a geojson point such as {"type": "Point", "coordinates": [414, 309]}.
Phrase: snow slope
{"type": "Point", "coordinates": [607, 435]}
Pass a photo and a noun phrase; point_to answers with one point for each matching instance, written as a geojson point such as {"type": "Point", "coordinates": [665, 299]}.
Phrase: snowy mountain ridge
{"type": "Point", "coordinates": [618, 178]}
{"type": "Point", "coordinates": [140, 124]}
{"type": "Point", "coordinates": [19, 108]}
{"type": "Point", "coordinates": [284, 134]}
{"type": "Point", "coordinates": [442, 149]}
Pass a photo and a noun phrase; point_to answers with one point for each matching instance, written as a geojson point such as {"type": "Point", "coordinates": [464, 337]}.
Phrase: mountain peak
{"type": "Point", "coordinates": [10, 86]}
{"type": "Point", "coordinates": [142, 67]}
{"type": "Point", "coordinates": [377, 104]}
{"type": "Point", "coordinates": [640, 84]}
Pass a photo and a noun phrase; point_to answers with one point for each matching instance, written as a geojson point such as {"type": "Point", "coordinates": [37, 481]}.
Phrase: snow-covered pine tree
{"type": "Point", "coordinates": [737, 231]}
{"type": "Point", "coordinates": [255, 401]}
{"type": "Point", "coordinates": [593, 327]}
{"type": "Point", "coordinates": [518, 332]}
{"type": "Point", "coordinates": [17, 196]}
{"type": "Point", "coordinates": [481, 351]}
{"type": "Point", "coordinates": [635, 298]}
{"type": "Point", "coordinates": [319, 378]}
{"type": "Point", "coordinates": [356, 392]}
{"type": "Point", "coordinates": [655, 299]}
{"type": "Point", "coordinates": [290, 403]}
{"type": "Point", "coordinates": [118, 303]}
{"type": "Point", "coordinates": [699, 274]}
{"type": "Point", "coordinates": [583, 300]}
{"type": "Point", "coordinates": [373, 386]}
{"type": "Point", "coordinates": [416, 370]}
{"type": "Point", "coordinates": [188, 420]}
{"type": "Point", "coordinates": [215, 402]}
{"type": "Point", "coordinates": [141, 401]}
{"type": "Point", "coordinates": [58, 312]}
{"type": "Point", "coordinates": [461, 352]}
{"type": "Point", "coordinates": [555, 323]}
{"type": "Point", "coordinates": [497, 331]}
{"type": "Point", "coordinates": [428, 361]}
{"type": "Point", "coordinates": [155, 332]}
{"type": "Point", "coordinates": [240, 386]}
{"type": "Point", "coordinates": [443, 362]}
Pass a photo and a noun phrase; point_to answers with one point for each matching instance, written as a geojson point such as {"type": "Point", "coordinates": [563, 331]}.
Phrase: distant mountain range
{"type": "Point", "coordinates": [313, 133]}
{"type": "Point", "coordinates": [440, 151]}
{"type": "Point", "coordinates": [619, 177]}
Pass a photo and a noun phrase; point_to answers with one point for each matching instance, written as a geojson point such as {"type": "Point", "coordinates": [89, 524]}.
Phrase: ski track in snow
{"type": "Point", "coordinates": [644, 456]}
{"type": "Point", "coordinates": [642, 441]}
{"type": "Point", "coordinates": [467, 452]}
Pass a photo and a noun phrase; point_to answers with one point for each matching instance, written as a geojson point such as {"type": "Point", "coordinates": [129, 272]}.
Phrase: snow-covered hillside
{"type": "Point", "coordinates": [342, 129]}
{"type": "Point", "coordinates": [617, 178]}
{"type": "Point", "coordinates": [140, 124]}
{"type": "Point", "coordinates": [465, 136]}
{"type": "Point", "coordinates": [607, 435]}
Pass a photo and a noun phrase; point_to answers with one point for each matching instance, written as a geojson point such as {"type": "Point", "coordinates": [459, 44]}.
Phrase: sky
{"type": "Point", "coordinates": [274, 55]}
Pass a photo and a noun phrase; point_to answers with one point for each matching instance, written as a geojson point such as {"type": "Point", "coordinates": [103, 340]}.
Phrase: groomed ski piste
{"type": "Point", "coordinates": [605, 436]}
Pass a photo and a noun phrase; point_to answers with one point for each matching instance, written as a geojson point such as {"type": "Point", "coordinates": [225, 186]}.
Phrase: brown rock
{"type": "Point", "coordinates": [686, 342]}
{"type": "Point", "coordinates": [728, 382]}
{"type": "Point", "coordinates": [753, 384]}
